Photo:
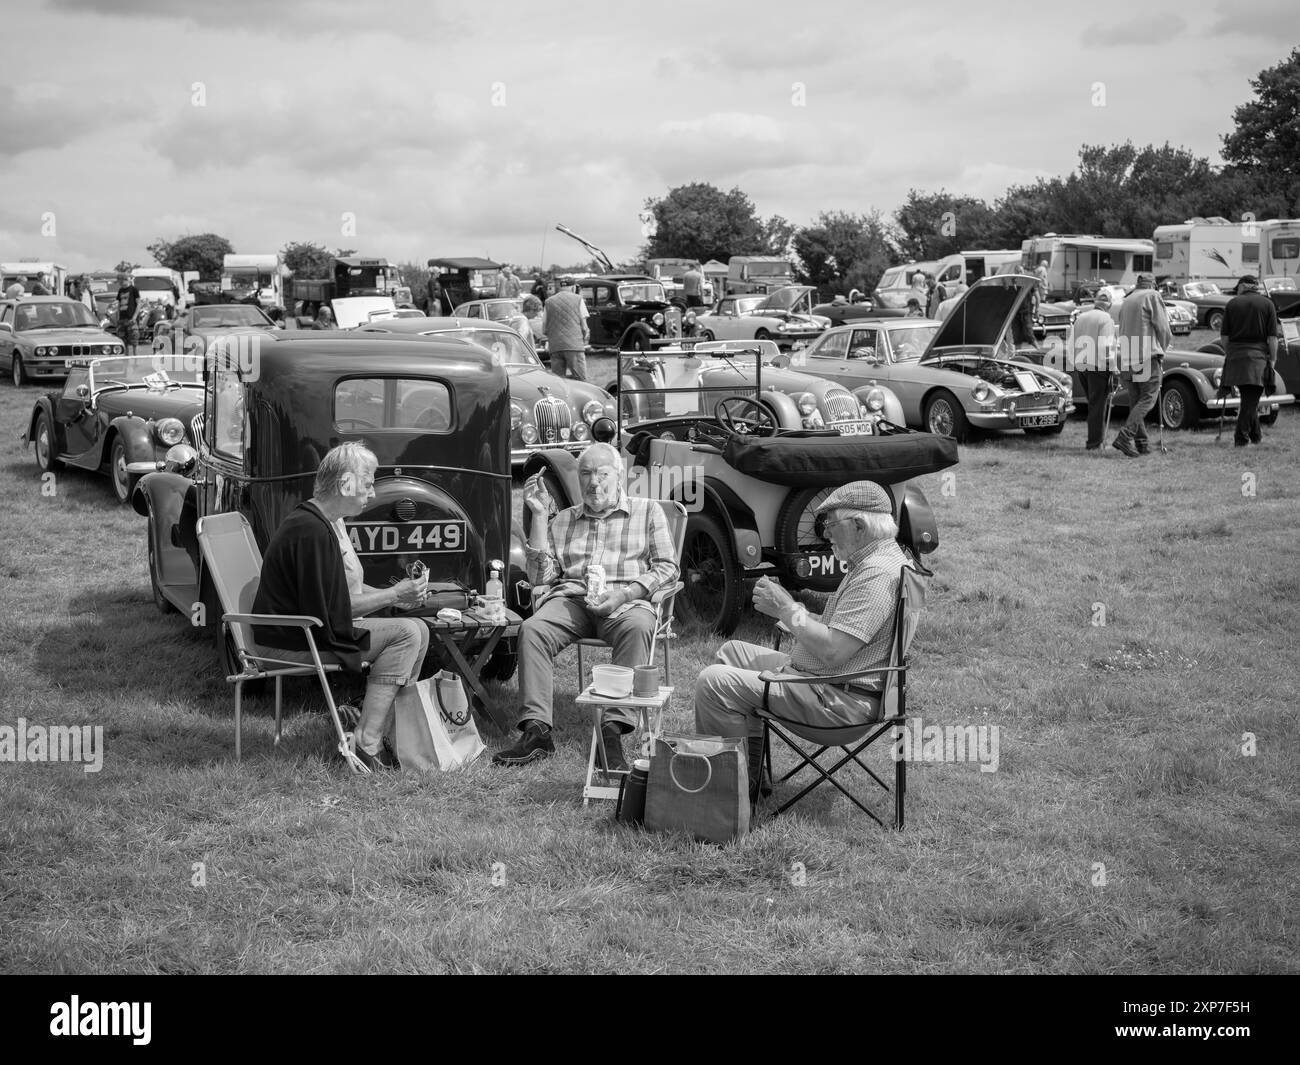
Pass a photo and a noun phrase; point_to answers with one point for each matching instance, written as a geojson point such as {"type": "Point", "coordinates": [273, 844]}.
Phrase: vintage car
{"type": "Point", "coordinates": [841, 311]}
{"type": "Point", "coordinates": [464, 279]}
{"type": "Point", "coordinates": [41, 335]}
{"type": "Point", "coordinates": [545, 410]}
{"type": "Point", "coordinates": [435, 412]}
{"type": "Point", "coordinates": [784, 316]}
{"type": "Point", "coordinates": [509, 310]}
{"type": "Point", "coordinates": [950, 376]}
{"type": "Point", "coordinates": [692, 377]}
{"type": "Point", "coordinates": [750, 491]}
{"type": "Point", "coordinates": [630, 312]}
{"type": "Point", "coordinates": [670, 273]}
{"type": "Point", "coordinates": [192, 331]}
{"type": "Point", "coordinates": [1182, 313]}
{"type": "Point", "coordinates": [120, 415]}
{"type": "Point", "coordinates": [1208, 301]}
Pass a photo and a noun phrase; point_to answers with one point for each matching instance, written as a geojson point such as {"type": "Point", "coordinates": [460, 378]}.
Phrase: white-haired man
{"type": "Point", "coordinates": [629, 538]}
{"type": "Point", "coordinates": [1092, 349]}
{"type": "Point", "coordinates": [310, 567]}
{"type": "Point", "coordinates": [853, 633]}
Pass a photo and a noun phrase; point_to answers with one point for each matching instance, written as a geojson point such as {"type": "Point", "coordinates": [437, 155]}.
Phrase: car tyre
{"type": "Point", "coordinates": [762, 334]}
{"type": "Point", "coordinates": [944, 417]}
{"type": "Point", "coordinates": [1268, 419]}
{"type": "Point", "coordinates": [794, 533]}
{"type": "Point", "coordinates": [43, 440]}
{"type": "Point", "coordinates": [1214, 321]}
{"type": "Point", "coordinates": [123, 482]}
{"type": "Point", "coordinates": [713, 591]}
{"type": "Point", "coordinates": [1179, 407]}
{"type": "Point", "coordinates": [707, 334]}
{"type": "Point", "coordinates": [163, 604]}
{"type": "Point", "coordinates": [17, 372]}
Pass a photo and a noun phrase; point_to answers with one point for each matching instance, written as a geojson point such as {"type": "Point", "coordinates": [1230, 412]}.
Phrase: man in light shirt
{"type": "Point", "coordinates": [1092, 349]}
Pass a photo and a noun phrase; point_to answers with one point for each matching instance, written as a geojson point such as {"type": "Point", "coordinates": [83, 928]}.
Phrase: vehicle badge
{"type": "Point", "coordinates": [564, 432]}
{"type": "Point", "coordinates": [550, 436]}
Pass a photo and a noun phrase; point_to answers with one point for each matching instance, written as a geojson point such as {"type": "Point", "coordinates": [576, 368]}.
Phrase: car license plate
{"type": "Point", "coordinates": [853, 428]}
{"type": "Point", "coordinates": [411, 537]}
{"type": "Point", "coordinates": [1034, 421]}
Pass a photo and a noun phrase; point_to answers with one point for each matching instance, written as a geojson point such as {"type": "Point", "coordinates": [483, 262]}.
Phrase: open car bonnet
{"type": "Point", "coordinates": [983, 317]}
{"type": "Point", "coordinates": [793, 299]}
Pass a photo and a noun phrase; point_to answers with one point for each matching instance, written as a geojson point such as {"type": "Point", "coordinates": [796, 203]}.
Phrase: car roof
{"type": "Point", "coordinates": [46, 299]}
{"type": "Point", "coordinates": [427, 325]}
{"type": "Point", "coordinates": [468, 263]}
{"type": "Point", "coordinates": [346, 344]}
{"type": "Point", "coordinates": [617, 277]}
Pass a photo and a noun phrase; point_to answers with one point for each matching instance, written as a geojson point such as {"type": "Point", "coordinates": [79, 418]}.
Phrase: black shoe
{"type": "Point", "coordinates": [1125, 444]}
{"type": "Point", "coordinates": [388, 757]}
{"type": "Point", "coordinates": [1143, 446]}
{"type": "Point", "coordinates": [1091, 447]}
{"type": "Point", "coordinates": [612, 740]}
{"type": "Point", "coordinates": [1239, 443]}
{"type": "Point", "coordinates": [534, 745]}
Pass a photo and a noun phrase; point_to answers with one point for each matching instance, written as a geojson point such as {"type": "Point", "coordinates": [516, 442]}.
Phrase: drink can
{"type": "Point", "coordinates": [595, 581]}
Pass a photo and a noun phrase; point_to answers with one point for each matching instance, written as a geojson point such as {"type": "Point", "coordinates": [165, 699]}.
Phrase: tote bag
{"type": "Point", "coordinates": [699, 785]}
{"type": "Point", "coordinates": [432, 725]}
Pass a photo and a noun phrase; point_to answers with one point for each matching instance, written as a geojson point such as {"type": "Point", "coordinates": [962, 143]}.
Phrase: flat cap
{"type": "Point", "coordinates": [858, 495]}
{"type": "Point", "coordinates": [1248, 279]}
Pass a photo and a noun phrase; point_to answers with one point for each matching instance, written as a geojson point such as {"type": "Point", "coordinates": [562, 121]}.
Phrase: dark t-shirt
{"type": "Point", "coordinates": [1249, 318]}
{"type": "Point", "coordinates": [128, 298]}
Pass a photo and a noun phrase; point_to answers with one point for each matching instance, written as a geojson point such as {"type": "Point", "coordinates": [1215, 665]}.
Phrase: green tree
{"type": "Point", "coordinates": [202, 252]}
{"type": "Point", "coordinates": [841, 251]}
{"type": "Point", "coordinates": [702, 222]}
{"type": "Point", "coordinates": [124, 266]}
{"type": "Point", "coordinates": [1266, 141]}
{"type": "Point", "coordinates": [933, 225]}
{"type": "Point", "coordinates": [309, 260]}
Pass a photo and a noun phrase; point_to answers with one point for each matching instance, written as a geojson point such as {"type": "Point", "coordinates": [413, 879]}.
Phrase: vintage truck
{"type": "Point", "coordinates": [352, 275]}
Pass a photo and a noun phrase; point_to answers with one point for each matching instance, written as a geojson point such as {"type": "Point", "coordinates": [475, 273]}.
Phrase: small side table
{"type": "Point", "coordinates": [479, 637]}
{"type": "Point", "coordinates": [651, 727]}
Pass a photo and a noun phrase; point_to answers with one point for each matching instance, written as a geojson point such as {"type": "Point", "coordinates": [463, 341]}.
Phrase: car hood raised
{"type": "Point", "coordinates": [983, 315]}
{"type": "Point", "coordinates": [786, 300]}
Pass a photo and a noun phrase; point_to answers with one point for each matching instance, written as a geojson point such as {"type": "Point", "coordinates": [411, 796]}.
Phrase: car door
{"type": "Point", "coordinates": [78, 428]}
{"type": "Point", "coordinates": [829, 359]}
{"type": "Point", "coordinates": [6, 336]}
{"type": "Point", "coordinates": [727, 325]}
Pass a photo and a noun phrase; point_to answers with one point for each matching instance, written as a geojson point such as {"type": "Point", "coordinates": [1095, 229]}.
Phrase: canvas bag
{"type": "Point", "coordinates": [432, 725]}
{"type": "Point", "coordinates": [700, 785]}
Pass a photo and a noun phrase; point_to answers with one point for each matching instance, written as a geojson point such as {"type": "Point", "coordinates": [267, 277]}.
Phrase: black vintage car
{"type": "Point", "coordinates": [630, 312]}
{"type": "Point", "coordinates": [435, 412]}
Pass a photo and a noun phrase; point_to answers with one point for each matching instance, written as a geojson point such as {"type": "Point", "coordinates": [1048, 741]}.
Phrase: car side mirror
{"type": "Point", "coordinates": [83, 392]}
{"type": "Point", "coordinates": [781, 361]}
{"type": "Point", "coordinates": [5, 327]}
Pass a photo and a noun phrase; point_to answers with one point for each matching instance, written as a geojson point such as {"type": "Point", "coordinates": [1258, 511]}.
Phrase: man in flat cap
{"type": "Point", "coordinates": [853, 633]}
{"type": "Point", "coordinates": [1249, 334]}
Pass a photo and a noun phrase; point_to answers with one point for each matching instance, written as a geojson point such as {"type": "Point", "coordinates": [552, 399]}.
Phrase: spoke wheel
{"type": "Point", "coordinates": [1178, 407]}
{"type": "Point", "coordinates": [123, 482]}
{"type": "Point", "coordinates": [944, 417]}
{"type": "Point", "coordinates": [1215, 321]}
{"type": "Point", "coordinates": [713, 591]}
{"type": "Point", "coordinates": [795, 534]}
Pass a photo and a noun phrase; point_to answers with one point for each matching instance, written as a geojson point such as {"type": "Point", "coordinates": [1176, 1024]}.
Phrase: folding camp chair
{"type": "Point", "coordinates": [888, 706]}
{"type": "Point", "coordinates": [234, 563]}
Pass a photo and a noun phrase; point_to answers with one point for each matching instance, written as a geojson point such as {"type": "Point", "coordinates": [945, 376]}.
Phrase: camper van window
{"type": "Point", "coordinates": [1283, 248]}
{"type": "Point", "coordinates": [1164, 251]}
{"type": "Point", "coordinates": [1250, 252]}
{"type": "Point", "coordinates": [1142, 264]}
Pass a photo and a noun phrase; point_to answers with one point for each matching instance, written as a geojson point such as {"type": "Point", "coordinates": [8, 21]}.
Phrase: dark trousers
{"type": "Point", "coordinates": [1248, 415]}
{"type": "Point", "coordinates": [1096, 387]}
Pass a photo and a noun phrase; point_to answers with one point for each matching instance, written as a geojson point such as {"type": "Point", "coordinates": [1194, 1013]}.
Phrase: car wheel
{"type": "Point", "coordinates": [762, 334]}
{"type": "Point", "coordinates": [44, 441]}
{"type": "Point", "coordinates": [640, 343]}
{"type": "Point", "coordinates": [1214, 322]}
{"type": "Point", "coordinates": [163, 604]}
{"type": "Point", "coordinates": [17, 371]}
{"type": "Point", "coordinates": [944, 417]}
{"type": "Point", "coordinates": [1268, 419]}
{"type": "Point", "coordinates": [712, 596]}
{"type": "Point", "coordinates": [123, 482]}
{"type": "Point", "coordinates": [1178, 405]}
{"type": "Point", "coordinates": [707, 334]}
{"type": "Point", "coordinates": [795, 534]}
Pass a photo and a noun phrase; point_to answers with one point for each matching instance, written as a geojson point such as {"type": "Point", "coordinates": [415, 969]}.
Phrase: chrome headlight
{"type": "Point", "coordinates": [658, 319]}
{"type": "Point", "coordinates": [591, 410]}
{"type": "Point", "coordinates": [170, 431]}
{"type": "Point", "coordinates": [806, 402]}
{"type": "Point", "coordinates": [1218, 378]}
{"type": "Point", "coordinates": [875, 400]}
{"type": "Point", "coordinates": [529, 434]}
{"type": "Point", "coordinates": [581, 432]}
{"type": "Point", "coordinates": [119, 349]}
{"type": "Point", "coordinates": [180, 459]}
{"type": "Point", "coordinates": [516, 416]}
{"type": "Point", "coordinates": [981, 392]}
{"type": "Point", "coordinates": [813, 421]}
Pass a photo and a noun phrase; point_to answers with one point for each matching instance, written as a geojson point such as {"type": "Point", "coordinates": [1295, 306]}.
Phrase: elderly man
{"type": "Point", "coordinates": [311, 568]}
{"type": "Point", "coordinates": [1142, 336]}
{"type": "Point", "coordinates": [508, 285]}
{"type": "Point", "coordinates": [629, 538]}
{"type": "Point", "coordinates": [1249, 334]}
{"type": "Point", "coordinates": [564, 321]}
{"type": "Point", "coordinates": [1092, 350]}
{"type": "Point", "coordinates": [853, 633]}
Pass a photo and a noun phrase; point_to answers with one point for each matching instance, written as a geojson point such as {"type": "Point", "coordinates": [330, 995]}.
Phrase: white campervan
{"type": "Point", "coordinates": [263, 276]}
{"type": "Point", "coordinates": [1072, 259]}
{"type": "Point", "coordinates": [158, 284]}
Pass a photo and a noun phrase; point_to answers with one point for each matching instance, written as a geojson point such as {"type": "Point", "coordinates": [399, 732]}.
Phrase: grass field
{"type": "Point", "coordinates": [1128, 625]}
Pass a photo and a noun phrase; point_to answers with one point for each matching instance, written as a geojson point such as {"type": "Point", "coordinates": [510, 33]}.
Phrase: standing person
{"type": "Point", "coordinates": [311, 568]}
{"type": "Point", "coordinates": [1140, 341]}
{"type": "Point", "coordinates": [693, 286]}
{"type": "Point", "coordinates": [540, 288]}
{"type": "Point", "coordinates": [508, 286]}
{"type": "Point", "coordinates": [626, 535]}
{"type": "Point", "coordinates": [1040, 272]}
{"type": "Point", "coordinates": [128, 303]}
{"type": "Point", "coordinates": [1092, 351]}
{"type": "Point", "coordinates": [38, 288]}
{"type": "Point", "coordinates": [432, 296]}
{"type": "Point", "coordinates": [564, 321]}
{"type": "Point", "coordinates": [15, 291]}
{"type": "Point", "coordinates": [1249, 335]}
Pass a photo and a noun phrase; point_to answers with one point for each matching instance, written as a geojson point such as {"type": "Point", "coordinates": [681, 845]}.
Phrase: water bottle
{"type": "Point", "coordinates": [494, 596]}
{"type": "Point", "coordinates": [631, 794]}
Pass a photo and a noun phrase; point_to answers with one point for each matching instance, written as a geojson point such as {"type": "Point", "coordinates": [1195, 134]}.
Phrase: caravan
{"type": "Point", "coordinates": [1207, 249]}
{"type": "Point", "coordinates": [1072, 260]}
{"type": "Point", "coordinates": [256, 279]}
{"type": "Point", "coordinates": [26, 272]}
{"type": "Point", "coordinates": [969, 266]}
{"type": "Point", "coordinates": [1279, 248]}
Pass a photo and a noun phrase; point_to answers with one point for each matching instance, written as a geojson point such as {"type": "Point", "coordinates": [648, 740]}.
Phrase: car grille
{"type": "Point", "coordinates": [1031, 401]}
{"type": "Point", "coordinates": [196, 428]}
{"type": "Point", "coordinates": [841, 407]}
{"type": "Point", "coordinates": [1056, 321]}
{"type": "Point", "coordinates": [673, 321]}
{"type": "Point", "coordinates": [84, 351]}
{"type": "Point", "coordinates": [553, 419]}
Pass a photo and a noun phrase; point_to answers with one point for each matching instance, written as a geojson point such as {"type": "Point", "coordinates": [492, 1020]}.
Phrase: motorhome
{"type": "Point", "coordinates": [1279, 248]}
{"type": "Point", "coordinates": [1206, 249]}
{"type": "Point", "coordinates": [28, 271]}
{"type": "Point", "coordinates": [1072, 259]}
{"type": "Point", "coordinates": [159, 284]}
{"type": "Point", "coordinates": [260, 278]}
{"type": "Point", "coordinates": [969, 266]}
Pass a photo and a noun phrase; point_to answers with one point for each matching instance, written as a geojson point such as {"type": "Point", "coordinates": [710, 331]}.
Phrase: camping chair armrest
{"type": "Point", "coordinates": [768, 677]}
{"type": "Point", "coordinates": [665, 593]}
{"type": "Point", "coordinates": [289, 621]}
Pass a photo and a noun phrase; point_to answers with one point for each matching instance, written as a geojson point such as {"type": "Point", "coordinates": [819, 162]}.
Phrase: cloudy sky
{"type": "Point", "coordinates": [471, 129]}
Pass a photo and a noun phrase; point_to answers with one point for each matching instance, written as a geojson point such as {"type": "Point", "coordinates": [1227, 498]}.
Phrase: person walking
{"type": "Point", "coordinates": [564, 321]}
{"type": "Point", "coordinates": [1092, 350]}
{"type": "Point", "coordinates": [1141, 339]}
{"type": "Point", "coordinates": [1249, 334]}
{"type": "Point", "coordinates": [693, 286]}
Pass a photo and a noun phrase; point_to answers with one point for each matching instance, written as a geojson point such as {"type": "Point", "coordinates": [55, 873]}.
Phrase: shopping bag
{"type": "Point", "coordinates": [700, 785]}
{"type": "Point", "coordinates": [428, 733]}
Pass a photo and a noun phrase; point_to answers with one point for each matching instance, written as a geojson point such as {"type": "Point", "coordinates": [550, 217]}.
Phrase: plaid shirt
{"type": "Point", "coordinates": [631, 542]}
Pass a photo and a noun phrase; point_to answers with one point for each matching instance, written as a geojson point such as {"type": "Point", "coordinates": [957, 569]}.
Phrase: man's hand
{"type": "Point", "coordinates": [609, 602]}
{"type": "Point", "coordinates": [536, 497]}
{"type": "Point", "coordinates": [410, 593]}
{"type": "Point", "coordinates": [771, 599]}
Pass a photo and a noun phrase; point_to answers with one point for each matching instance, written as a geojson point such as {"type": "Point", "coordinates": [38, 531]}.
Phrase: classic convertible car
{"type": "Point", "coordinates": [545, 410]}
{"type": "Point", "coordinates": [41, 335]}
{"type": "Point", "coordinates": [784, 316]}
{"type": "Point", "coordinates": [508, 310]}
{"type": "Point", "coordinates": [197, 327]}
{"type": "Point", "coordinates": [120, 415]}
{"type": "Point", "coordinates": [948, 375]}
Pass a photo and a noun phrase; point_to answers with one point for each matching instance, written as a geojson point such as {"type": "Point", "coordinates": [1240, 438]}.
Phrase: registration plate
{"type": "Point", "coordinates": [1035, 421]}
{"type": "Point", "coordinates": [423, 537]}
{"type": "Point", "coordinates": [853, 428]}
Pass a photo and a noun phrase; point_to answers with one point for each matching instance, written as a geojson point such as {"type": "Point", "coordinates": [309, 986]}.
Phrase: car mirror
{"type": "Point", "coordinates": [83, 392]}
{"type": "Point", "coordinates": [781, 361]}
{"type": "Point", "coordinates": [5, 327]}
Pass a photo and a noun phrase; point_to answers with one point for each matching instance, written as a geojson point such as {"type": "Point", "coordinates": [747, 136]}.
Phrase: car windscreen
{"type": "Point", "coordinates": [503, 310]}
{"type": "Point", "coordinates": [143, 370]}
{"type": "Point", "coordinates": [508, 349]}
{"type": "Point", "coordinates": [65, 314]}
{"type": "Point", "coordinates": [768, 269]}
{"type": "Point", "coordinates": [650, 292]}
{"type": "Point", "coordinates": [370, 404]}
{"type": "Point", "coordinates": [909, 344]}
{"type": "Point", "coordinates": [153, 284]}
{"type": "Point", "coordinates": [230, 317]}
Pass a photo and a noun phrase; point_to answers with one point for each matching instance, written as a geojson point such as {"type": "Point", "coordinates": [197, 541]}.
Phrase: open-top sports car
{"type": "Point", "coordinates": [193, 331]}
{"type": "Point", "coordinates": [41, 335]}
{"type": "Point", "coordinates": [508, 310]}
{"type": "Point", "coordinates": [950, 376]}
{"type": "Point", "coordinates": [545, 410]}
{"type": "Point", "coordinates": [1207, 300]}
{"type": "Point", "coordinates": [119, 415]}
{"type": "Point", "coordinates": [785, 316]}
